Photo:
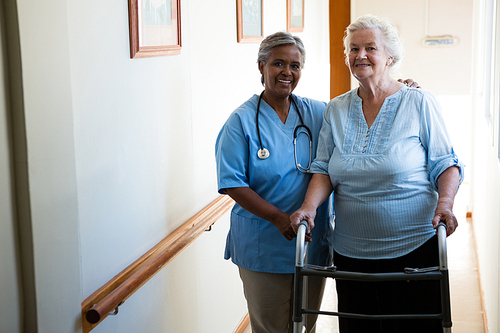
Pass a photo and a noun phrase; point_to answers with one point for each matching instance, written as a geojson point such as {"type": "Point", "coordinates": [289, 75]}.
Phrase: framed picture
{"type": "Point", "coordinates": [155, 28]}
{"type": "Point", "coordinates": [250, 23]}
{"type": "Point", "coordinates": [295, 15]}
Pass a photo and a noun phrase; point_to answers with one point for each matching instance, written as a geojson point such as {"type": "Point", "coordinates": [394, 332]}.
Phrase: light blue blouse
{"type": "Point", "coordinates": [384, 177]}
{"type": "Point", "coordinates": [254, 243]}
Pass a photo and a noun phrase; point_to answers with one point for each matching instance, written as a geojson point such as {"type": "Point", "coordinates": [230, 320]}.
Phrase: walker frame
{"type": "Point", "coordinates": [302, 270]}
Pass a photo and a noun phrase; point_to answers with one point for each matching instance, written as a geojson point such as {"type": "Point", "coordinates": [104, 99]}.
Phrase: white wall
{"type": "Point", "coordinates": [486, 166]}
{"type": "Point", "coordinates": [120, 152]}
{"type": "Point", "coordinates": [50, 229]}
{"type": "Point", "coordinates": [10, 289]}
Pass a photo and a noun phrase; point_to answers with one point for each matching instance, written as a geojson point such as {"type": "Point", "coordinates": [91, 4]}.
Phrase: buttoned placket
{"type": "Point", "coordinates": [366, 141]}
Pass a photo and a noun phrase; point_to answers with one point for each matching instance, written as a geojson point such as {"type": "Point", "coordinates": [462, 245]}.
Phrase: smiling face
{"type": "Point", "coordinates": [281, 71]}
{"type": "Point", "coordinates": [367, 56]}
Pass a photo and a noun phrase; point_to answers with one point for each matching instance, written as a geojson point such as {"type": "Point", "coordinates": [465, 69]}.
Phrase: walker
{"type": "Point", "coordinates": [302, 270]}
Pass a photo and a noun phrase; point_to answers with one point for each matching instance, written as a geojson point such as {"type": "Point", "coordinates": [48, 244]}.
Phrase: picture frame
{"type": "Point", "coordinates": [295, 15]}
{"type": "Point", "coordinates": [250, 21]}
{"type": "Point", "coordinates": [155, 28]}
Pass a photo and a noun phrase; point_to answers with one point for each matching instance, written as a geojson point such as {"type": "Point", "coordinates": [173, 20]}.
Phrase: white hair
{"type": "Point", "coordinates": [392, 41]}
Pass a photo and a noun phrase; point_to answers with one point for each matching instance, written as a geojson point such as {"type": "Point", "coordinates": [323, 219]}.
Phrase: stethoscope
{"type": "Point", "coordinates": [263, 153]}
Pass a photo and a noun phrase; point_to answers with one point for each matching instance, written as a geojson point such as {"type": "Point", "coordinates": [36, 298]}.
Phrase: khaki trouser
{"type": "Point", "coordinates": [270, 300]}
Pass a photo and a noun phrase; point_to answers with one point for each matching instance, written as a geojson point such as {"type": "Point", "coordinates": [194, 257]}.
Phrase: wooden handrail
{"type": "Point", "coordinates": [107, 298]}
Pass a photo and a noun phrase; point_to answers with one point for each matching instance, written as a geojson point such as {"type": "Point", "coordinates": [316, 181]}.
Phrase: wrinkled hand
{"type": "Point", "coordinates": [444, 213]}
{"type": "Point", "coordinates": [410, 83]}
{"type": "Point", "coordinates": [303, 214]}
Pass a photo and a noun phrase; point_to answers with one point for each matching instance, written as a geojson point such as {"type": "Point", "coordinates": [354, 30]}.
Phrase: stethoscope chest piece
{"type": "Point", "coordinates": [263, 153]}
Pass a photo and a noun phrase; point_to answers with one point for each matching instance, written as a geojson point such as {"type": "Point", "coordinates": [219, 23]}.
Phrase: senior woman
{"type": "Point", "coordinates": [385, 153]}
{"type": "Point", "coordinates": [259, 167]}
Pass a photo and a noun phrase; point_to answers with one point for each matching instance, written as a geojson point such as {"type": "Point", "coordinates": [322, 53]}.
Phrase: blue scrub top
{"type": "Point", "coordinates": [253, 243]}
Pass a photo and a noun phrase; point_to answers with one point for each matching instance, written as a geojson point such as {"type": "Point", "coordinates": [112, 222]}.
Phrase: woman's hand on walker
{"type": "Point", "coordinates": [444, 213]}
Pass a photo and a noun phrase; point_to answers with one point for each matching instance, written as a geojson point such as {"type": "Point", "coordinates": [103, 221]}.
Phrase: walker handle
{"type": "Point", "coordinates": [441, 233]}
{"type": "Point", "coordinates": [301, 247]}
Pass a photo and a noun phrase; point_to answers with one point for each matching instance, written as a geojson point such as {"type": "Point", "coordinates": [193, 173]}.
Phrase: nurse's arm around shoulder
{"type": "Point", "coordinates": [249, 200]}
{"type": "Point", "coordinates": [318, 191]}
{"type": "Point", "coordinates": [447, 183]}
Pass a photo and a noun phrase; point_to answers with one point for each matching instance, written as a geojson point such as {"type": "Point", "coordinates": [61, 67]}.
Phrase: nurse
{"type": "Point", "coordinates": [256, 167]}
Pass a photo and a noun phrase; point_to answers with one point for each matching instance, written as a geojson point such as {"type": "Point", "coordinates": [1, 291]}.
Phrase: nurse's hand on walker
{"type": "Point", "coordinates": [318, 191]}
{"type": "Point", "coordinates": [304, 213]}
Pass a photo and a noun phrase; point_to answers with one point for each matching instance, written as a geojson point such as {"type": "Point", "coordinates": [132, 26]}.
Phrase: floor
{"type": "Point", "coordinates": [467, 314]}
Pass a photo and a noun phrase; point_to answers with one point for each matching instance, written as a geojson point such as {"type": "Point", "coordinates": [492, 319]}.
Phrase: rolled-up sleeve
{"type": "Point", "coordinates": [434, 138]}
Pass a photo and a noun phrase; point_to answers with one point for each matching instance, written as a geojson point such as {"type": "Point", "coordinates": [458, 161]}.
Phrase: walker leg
{"type": "Point", "coordinates": [298, 328]}
{"type": "Point", "coordinates": [445, 281]}
{"type": "Point", "coordinates": [298, 318]}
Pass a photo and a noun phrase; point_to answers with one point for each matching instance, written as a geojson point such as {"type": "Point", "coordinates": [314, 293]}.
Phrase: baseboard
{"type": "Point", "coordinates": [485, 319]}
